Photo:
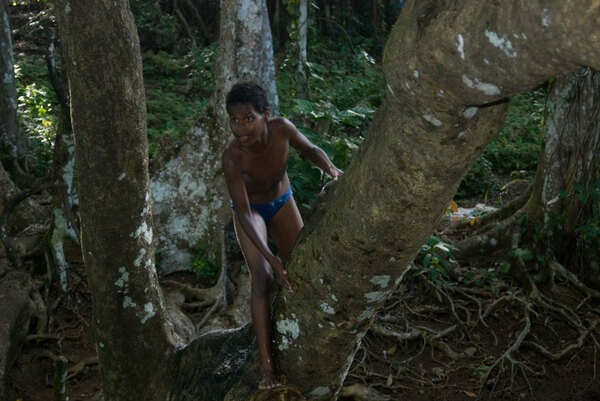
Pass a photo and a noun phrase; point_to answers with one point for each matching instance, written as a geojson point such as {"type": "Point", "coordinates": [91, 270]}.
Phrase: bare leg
{"type": "Point", "coordinates": [260, 299]}
{"type": "Point", "coordinates": [285, 227]}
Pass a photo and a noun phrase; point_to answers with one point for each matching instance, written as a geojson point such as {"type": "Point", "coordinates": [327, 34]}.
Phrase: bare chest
{"type": "Point", "coordinates": [262, 174]}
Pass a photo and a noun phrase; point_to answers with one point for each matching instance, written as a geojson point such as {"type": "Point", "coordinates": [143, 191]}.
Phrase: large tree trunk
{"type": "Point", "coordinates": [569, 164]}
{"type": "Point", "coordinates": [188, 188]}
{"type": "Point", "coordinates": [12, 141]}
{"type": "Point", "coordinates": [445, 94]}
{"type": "Point", "coordinates": [103, 64]}
{"type": "Point", "coordinates": [444, 103]}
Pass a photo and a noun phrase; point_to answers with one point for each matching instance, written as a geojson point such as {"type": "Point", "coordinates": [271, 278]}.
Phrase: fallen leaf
{"type": "Point", "coordinates": [470, 394]}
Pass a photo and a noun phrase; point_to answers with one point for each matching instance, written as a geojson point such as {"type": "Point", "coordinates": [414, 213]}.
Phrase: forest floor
{"type": "Point", "coordinates": [476, 335]}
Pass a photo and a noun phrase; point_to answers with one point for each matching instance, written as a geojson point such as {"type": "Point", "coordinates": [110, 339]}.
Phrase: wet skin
{"type": "Point", "coordinates": [255, 165]}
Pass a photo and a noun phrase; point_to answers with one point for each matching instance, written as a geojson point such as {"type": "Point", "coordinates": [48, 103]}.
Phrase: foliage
{"type": "Point", "coordinates": [36, 107]}
{"type": "Point", "coordinates": [177, 89]}
{"type": "Point", "coordinates": [488, 278]}
{"type": "Point", "coordinates": [204, 267]}
{"type": "Point", "coordinates": [156, 28]}
{"type": "Point", "coordinates": [514, 151]}
{"type": "Point", "coordinates": [344, 90]}
{"type": "Point", "coordinates": [436, 260]}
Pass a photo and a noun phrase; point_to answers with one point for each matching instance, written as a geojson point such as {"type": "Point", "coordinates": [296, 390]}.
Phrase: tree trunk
{"type": "Point", "coordinates": [302, 33]}
{"type": "Point", "coordinates": [188, 188]}
{"type": "Point", "coordinates": [444, 102]}
{"type": "Point", "coordinates": [103, 64]}
{"type": "Point", "coordinates": [13, 144]}
{"type": "Point", "coordinates": [569, 164]}
{"type": "Point", "coordinates": [15, 315]}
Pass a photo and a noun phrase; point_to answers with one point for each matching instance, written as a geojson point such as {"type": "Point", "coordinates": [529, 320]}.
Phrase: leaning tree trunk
{"type": "Point", "coordinates": [569, 164]}
{"type": "Point", "coordinates": [12, 141]}
{"type": "Point", "coordinates": [188, 188]}
{"type": "Point", "coordinates": [445, 100]}
{"type": "Point", "coordinates": [444, 103]}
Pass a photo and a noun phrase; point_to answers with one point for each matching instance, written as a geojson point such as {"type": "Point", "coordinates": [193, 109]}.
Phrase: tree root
{"type": "Point", "coordinates": [504, 213]}
{"type": "Point", "coordinates": [76, 369]}
{"type": "Point", "coordinates": [362, 393]}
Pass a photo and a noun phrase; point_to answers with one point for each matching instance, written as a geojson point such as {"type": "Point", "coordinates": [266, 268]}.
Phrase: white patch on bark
{"type": "Point", "coordinates": [67, 8]}
{"type": "Point", "coordinates": [68, 170]}
{"type": "Point", "coordinates": [138, 261]}
{"type": "Point", "coordinates": [320, 391]}
{"type": "Point", "coordinates": [503, 43]}
{"type": "Point", "coordinates": [391, 90]}
{"type": "Point", "coordinates": [487, 88]}
{"type": "Point", "coordinates": [375, 296]}
{"type": "Point", "coordinates": [289, 330]}
{"type": "Point", "coordinates": [149, 309]}
{"type": "Point", "coordinates": [123, 175]}
{"type": "Point", "coordinates": [382, 281]}
{"type": "Point", "coordinates": [325, 307]}
{"type": "Point", "coordinates": [493, 241]}
{"type": "Point", "coordinates": [334, 297]}
{"type": "Point", "coordinates": [101, 345]}
{"type": "Point", "coordinates": [461, 134]}
{"type": "Point", "coordinates": [366, 314]}
{"type": "Point", "coordinates": [431, 119]}
{"type": "Point", "coordinates": [416, 74]}
{"type": "Point", "coordinates": [128, 302]}
{"type": "Point", "coordinates": [319, 325]}
{"type": "Point", "coordinates": [143, 231]}
{"type": "Point", "coordinates": [546, 18]}
{"type": "Point", "coordinates": [59, 232]}
{"type": "Point", "coordinates": [123, 280]}
{"type": "Point", "coordinates": [470, 112]}
{"type": "Point", "coordinates": [460, 45]}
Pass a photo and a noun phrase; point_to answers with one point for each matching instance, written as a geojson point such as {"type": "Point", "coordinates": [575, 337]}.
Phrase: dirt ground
{"type": "Point", "coordinates": [460, 338]}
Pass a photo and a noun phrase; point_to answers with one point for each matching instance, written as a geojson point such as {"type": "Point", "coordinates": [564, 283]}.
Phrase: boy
{"type": "Point", "coordinates": [254, 164]}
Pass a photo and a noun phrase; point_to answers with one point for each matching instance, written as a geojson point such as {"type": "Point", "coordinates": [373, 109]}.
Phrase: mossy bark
{"type": "Point", "coordinates": [449, 68]}
{"type": "Point", "coordinates": [135, 343]}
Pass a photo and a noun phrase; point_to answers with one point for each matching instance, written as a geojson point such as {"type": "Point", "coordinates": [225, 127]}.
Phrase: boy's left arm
{"type": "Point", "coordinates": [312, 152]}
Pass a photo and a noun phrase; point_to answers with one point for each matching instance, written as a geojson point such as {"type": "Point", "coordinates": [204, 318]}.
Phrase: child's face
{"type": "Point", "coordinates": [246, 123]}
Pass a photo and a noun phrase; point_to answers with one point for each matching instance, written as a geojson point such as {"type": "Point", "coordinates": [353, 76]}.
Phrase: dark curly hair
{"type": "Point", "coordinates": [247, 92]}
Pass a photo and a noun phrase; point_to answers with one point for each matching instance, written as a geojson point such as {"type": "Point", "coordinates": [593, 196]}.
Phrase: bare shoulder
{"type": "Point", "coordinates": [230, 156]}
{"type": "Point", "coordinates": [281, 126]}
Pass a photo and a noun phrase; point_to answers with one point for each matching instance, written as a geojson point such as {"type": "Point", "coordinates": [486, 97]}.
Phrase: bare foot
{"type": "Point", "coordinates": [269, 379]}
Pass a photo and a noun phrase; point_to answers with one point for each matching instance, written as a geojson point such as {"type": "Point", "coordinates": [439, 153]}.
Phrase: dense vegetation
{"type": "Point", "coordinates": [344, 88]}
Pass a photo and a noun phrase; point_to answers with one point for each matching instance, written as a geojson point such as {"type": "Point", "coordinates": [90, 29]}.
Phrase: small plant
{"type": "Point", "coordinates": [204, 267]}
{"type": "Point", "coordinates": [437, 257]}
{"type": "Point", "coordinates": [490, 278]}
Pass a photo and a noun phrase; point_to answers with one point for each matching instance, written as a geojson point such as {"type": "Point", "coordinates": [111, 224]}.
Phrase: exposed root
{"type": "Point", "coordinates": [504, 213]}
{"type": "Point", "coordinates": [362, 393]}
{"type": "Point", "coordinates": [497, 237]}
{"type": "Point", "coordinates": [78, 367]}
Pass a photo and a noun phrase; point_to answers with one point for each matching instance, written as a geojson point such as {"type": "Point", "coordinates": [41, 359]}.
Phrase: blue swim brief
{"type": "Point", "coordinates": [268, 210]}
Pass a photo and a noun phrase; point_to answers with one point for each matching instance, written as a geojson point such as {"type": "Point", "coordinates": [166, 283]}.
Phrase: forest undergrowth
{"type": "Point", "coordinates": [471, 331]}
